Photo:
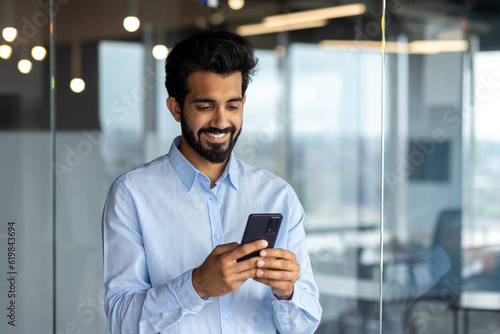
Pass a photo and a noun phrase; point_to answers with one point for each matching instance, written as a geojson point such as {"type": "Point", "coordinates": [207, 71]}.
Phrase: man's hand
{"type": "Point", "coordinates": [278, 269]}
{"type": "Point", "coordinates": [221, 274]}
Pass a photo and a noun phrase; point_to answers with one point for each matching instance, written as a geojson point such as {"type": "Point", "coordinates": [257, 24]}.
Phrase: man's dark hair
{"type": "Point", "coordinates": [219, 52]}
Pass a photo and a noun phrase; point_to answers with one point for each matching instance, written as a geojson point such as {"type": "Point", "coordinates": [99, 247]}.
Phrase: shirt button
{"type": "Point", "coordinates": [217, 235]}
{"type": "Point", "coordinates": [225, 316]}
{"type": "Point", "coordinates": [211, 198]}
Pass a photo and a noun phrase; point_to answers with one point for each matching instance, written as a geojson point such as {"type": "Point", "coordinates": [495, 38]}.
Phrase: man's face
{"type": "Point", "coordinates": [212, 115]}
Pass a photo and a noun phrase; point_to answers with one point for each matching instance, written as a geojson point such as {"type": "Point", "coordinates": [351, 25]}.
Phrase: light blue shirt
{"type": "Point", "coordinates": [162, 219]}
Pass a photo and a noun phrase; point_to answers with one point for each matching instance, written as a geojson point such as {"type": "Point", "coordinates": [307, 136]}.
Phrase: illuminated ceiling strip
{"type": "Point", "coordinates": [364, 45]}
{"type": "Point", "coordinates": [415, 47]}
{"type": "Point", "coordinates": [424, 47]}
{"type": "Point", "coordinates": [261, 28]}
{"type": "Point", "coordinates": [300, 20]}
{"type": "Point", "coordinates": [315, 14]}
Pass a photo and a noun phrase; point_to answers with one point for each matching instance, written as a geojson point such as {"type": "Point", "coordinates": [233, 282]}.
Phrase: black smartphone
{"type": "Point", "coordinates": [261, 226]}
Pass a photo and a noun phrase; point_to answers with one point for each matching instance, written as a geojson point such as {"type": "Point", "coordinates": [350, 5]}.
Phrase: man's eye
{"type": "Point", "coordinates": [232, 107]}
{"type": "Point", "coordinates": [203, 107]}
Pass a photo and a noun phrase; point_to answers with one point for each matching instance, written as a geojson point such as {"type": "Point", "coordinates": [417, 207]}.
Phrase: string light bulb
{"type": "Point", "coordinates": [5, 51]}
{"type": "Point", "coordinates": [236, 4]}
{"type": "Point", "coordinates": [9, 34]}
{"type": "Point", "coordinates": [38, 53]}
{"type": "Point", "coordinates": [24, 66]}
{"type": "Point", "coordinates": [160, 52]}
{"type": "Point", "coordinates": [131, 23]}
{"type": "Point", "coordinates": [77, 85]}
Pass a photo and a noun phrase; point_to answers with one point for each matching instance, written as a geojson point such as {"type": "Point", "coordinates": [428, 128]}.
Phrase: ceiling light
{"type": "Point", "coordinates": [160, 52]}
{"type": "Point", "coordinates": [300, 20]}
{"type": "Point", "coordinates": [348, 45]}
{"type": "Point", "coordinates": [430, 47]}
{"type": "Point", "coordinates": [236, 4]}
{"type": "Point", "coordinates": [5, 51]}
{"type": "Point", "coordinates": [131, 23]}
{"type": "Point", "coordinates": [38, 53]}
{"type": "Point", "coordinates": [9, 34]}
{"type": "Point", "coordinates": [415, 47]}
{"type": "Point", "coordinates": [24, 66]}
{"type": "Point", "coordinates": [262, 28]}
{"type": "Point", "coordinates": [316, 14]}
{"type": "Point", "coordinates": [77, 85]}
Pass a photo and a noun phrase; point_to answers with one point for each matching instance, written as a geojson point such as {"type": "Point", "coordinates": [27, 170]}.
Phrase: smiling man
{"type": "Point", "coordinates": [171, 227]}
{"type": "Point", "coordinates": [210, 120]}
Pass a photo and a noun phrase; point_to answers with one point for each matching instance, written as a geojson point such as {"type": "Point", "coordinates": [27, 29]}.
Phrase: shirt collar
{"type": "Point", "coordinates": [231, 171]}
{"type": "Point", "coordinates": [188, 173]}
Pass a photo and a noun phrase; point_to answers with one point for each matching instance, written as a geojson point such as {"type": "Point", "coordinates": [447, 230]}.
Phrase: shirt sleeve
{"type": "Point", "coordinates": [302, 313]}
{"type": "Point", "coordinates": [132, 305]}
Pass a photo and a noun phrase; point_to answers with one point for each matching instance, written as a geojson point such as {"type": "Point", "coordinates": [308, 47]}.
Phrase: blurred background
{"type": "Point", "coordinates": [393, 148]}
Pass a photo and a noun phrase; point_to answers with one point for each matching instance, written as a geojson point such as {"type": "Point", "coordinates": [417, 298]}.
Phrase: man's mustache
{"type": "Point", "coordinates": [231, 129]}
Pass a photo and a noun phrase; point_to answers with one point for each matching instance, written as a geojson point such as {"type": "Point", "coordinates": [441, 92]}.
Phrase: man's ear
{"type": "Point", "coordinates": [174, 107]}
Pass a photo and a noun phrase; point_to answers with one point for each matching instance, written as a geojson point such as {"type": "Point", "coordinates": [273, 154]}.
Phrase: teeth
{"type": "Point", "coordinates": [218, 135]}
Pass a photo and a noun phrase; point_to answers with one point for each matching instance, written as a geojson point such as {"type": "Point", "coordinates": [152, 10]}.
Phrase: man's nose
{"type": "Point", "coordinates": [220, 119]}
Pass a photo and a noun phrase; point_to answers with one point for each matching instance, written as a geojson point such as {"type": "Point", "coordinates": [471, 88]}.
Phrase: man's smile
{"type": "Point", "coordinates": [216, 137]}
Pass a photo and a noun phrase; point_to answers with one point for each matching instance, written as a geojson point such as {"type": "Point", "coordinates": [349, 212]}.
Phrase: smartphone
{"type": "Point", "coordinates": [261, 226]}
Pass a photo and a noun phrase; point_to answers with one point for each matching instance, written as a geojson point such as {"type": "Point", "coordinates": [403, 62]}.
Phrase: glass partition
{"type": "Point", "coordinates": [440, 254]}
{"type": "Point", "coordinates": [25, 171]}
{"type": "Point", "coordinates": [401, 216]}
{"type": "Point", "coordinates": [335, 168]}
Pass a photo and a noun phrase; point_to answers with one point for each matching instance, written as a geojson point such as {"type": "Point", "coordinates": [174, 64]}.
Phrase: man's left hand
{"type": "Point", "coordinates": [278, 269]}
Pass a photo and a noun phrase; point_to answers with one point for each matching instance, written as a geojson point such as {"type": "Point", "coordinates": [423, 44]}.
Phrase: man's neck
{"type": "Point", "coordinates": [209, 169]}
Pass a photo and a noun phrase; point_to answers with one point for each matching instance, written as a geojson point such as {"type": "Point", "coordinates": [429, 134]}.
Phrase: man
{"type": "Point", "coordinates": [171, 227]}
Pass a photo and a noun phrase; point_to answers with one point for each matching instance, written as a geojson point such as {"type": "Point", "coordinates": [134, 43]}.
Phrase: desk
{"type": "Point", "coordinates": [475, 301]}
{"type": "Point", "coordinates": [369, 290]}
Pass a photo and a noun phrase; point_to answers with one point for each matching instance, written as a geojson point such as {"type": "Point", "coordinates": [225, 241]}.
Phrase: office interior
{"type": "Point", "coordinates": [382, 114]}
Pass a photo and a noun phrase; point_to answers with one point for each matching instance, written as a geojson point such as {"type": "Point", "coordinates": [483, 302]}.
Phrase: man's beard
{"type": "Point", "coordinates": [215, 152]}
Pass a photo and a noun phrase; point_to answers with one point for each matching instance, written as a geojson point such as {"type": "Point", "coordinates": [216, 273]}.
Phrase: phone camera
{"type": "Point", "coordinates": [272, 227]}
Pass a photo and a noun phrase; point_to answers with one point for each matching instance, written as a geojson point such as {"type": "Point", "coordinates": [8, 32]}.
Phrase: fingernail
{"type": "Point", "coordinates": [260, 263]}
{"type": "Point", "coordinates": [260, 273]}
{"type": "Point", "coordinates": [264, 243]}
{"type": "Point", "coordinates": [263, 253]}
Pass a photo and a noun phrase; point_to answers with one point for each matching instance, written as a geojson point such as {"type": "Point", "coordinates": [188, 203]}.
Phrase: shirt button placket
{"type": "Point", "coordinates": [217, 239]}
{"type": "Point", "coordinates": [216, 224]}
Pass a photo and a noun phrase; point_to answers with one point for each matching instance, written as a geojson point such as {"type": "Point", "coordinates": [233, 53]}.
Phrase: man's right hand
{"type": "Point", "coordinates": [221, 274]}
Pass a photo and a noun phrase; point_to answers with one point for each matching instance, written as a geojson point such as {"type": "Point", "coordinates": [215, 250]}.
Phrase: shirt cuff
{"type": "Point", "coordinates": [294, 300]}
{"type": "Point", "coordinates": [186, 295]}
{"type": "Point", "coordinates": [284, 307]}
